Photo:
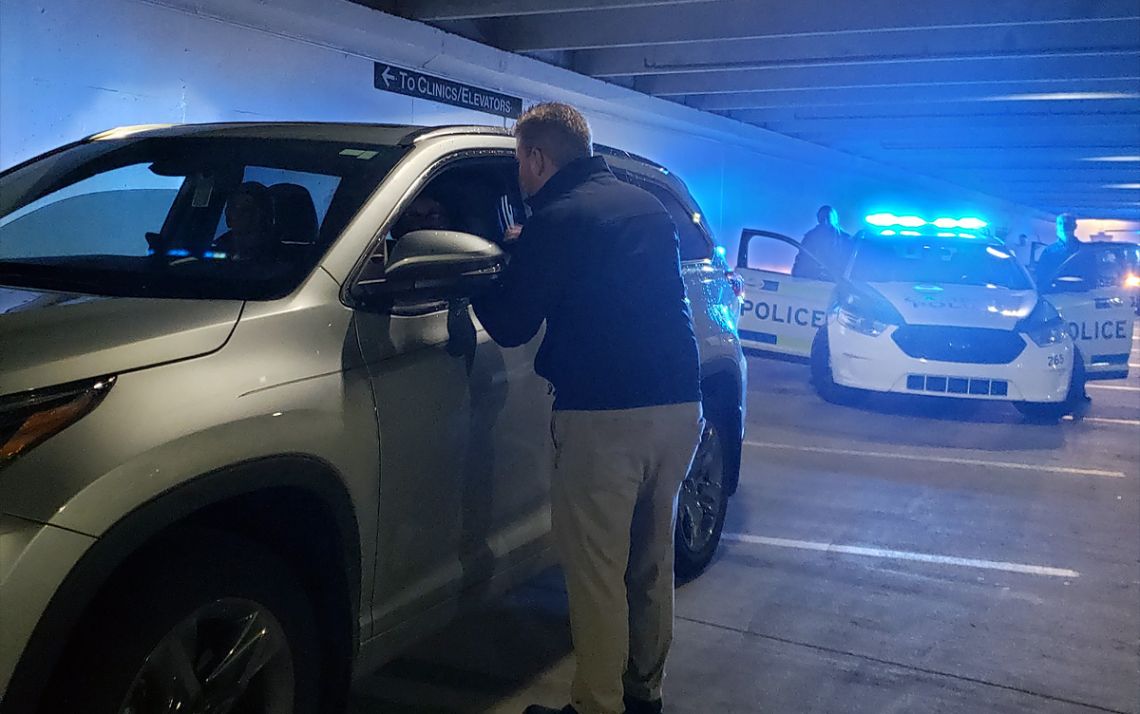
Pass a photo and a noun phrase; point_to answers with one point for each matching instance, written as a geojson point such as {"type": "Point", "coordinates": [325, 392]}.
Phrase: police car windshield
{"type": "Point", "coordinates": [937, 261]}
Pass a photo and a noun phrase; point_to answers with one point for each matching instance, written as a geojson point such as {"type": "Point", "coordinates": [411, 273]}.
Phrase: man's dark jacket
{"type": "Point", "coordinates": [598, 261]}
{"type": "Point", "coordinates": [1050, 260]}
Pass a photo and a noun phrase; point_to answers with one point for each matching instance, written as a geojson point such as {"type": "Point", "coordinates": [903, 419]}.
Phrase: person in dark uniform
{"type": "Point", "coordinates": [598, 262]}
{"type": "Point", "coordinates": [1047, 268]}
{"type": "Point", "coordinates": [828, 245]}
{"type": "Point", "coordinates": [1059, 251]}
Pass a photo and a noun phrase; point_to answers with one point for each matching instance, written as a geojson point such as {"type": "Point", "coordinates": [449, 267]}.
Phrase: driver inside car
{"type": "Point", "coordinates": [249, 217]}
{"type": "Point", "coordinates": [426, 213]}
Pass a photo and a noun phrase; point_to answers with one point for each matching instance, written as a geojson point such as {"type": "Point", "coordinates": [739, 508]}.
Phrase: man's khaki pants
{"type": "Point", "coordinates": [613, 504]}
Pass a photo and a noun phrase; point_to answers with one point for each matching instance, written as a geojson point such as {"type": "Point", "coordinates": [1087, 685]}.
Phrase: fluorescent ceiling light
{"type": "Point", "coordinates": [1126, 186]}
{"type": "Point", "coordinates": [1061, 96]}
{"type": "Point", "coordinates": [1113, 159]}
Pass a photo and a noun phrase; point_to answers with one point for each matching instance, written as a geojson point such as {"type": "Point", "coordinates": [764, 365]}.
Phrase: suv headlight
{"type": "Point", "coordinates": [30, 418]}
{"type": "Point", "coordinates": [1043, 325]}
{"type": "Point", "coordinates": [867, 313]}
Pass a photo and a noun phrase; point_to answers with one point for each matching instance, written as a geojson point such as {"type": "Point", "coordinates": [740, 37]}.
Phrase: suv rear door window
{"type": "Point", "coordinates": [694, 243]}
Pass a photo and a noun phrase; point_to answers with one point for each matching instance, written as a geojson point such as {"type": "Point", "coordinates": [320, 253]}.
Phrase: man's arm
{"type": "Point", "coordinates": [1047, 265]}
{"type": "Point", "coordinates": [514, 310]}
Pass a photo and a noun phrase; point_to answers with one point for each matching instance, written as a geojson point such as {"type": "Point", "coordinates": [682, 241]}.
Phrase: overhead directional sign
{"type": "Point", "coordinates": [425, 86]}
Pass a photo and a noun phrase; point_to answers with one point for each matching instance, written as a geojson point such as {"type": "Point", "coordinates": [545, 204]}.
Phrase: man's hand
{"type": "Point", "coordinates": [512, 233]}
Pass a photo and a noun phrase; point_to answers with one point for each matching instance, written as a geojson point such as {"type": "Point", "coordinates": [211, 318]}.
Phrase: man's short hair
{"type": "Point", "coordinates": [558, 129]}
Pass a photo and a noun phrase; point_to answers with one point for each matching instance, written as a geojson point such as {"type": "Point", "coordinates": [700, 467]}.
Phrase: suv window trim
{"type": "Point", "coordinates": [436, 168]}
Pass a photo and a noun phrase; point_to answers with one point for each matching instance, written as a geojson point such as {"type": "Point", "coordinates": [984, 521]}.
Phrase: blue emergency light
{"type": "Point", "coordinates": [890, 220]}
{"type": "Point", "coordinates": [890, 225]}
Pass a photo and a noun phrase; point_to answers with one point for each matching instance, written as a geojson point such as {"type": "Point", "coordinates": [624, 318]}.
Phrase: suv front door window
{"type": "Point", "coordinates": [464, 462]}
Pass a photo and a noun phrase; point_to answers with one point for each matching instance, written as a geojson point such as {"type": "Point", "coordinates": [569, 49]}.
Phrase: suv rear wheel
{"type": "Point", "coordinates": [205, 623]}
{"type": "Point", "coordinates": [702, 503]}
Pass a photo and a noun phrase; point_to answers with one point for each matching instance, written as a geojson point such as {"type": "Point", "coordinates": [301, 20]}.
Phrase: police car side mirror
{"type": "Point", "coordinates": [433, 266]}
{"type": "Point", "coordinates": [1067, 284]}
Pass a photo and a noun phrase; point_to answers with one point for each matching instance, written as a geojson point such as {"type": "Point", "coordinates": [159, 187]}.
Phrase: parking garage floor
{"type": "Point", "coordinates": [904, 556]}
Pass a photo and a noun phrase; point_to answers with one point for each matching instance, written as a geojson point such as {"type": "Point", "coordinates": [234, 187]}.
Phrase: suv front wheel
{"type": "Point", "coordinates": [206, 622]}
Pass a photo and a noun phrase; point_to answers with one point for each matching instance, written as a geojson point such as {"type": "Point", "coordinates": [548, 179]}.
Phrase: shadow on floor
{"type": "Point", "coordinates": [480, 660]}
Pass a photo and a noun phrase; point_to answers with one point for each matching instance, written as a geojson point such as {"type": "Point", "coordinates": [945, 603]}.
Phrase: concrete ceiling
{"type": "Point", "coordinates": [1036, 101]}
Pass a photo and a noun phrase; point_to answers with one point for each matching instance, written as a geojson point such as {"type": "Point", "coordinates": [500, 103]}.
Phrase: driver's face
{"type": "Point", "coordinates": [1066, 227]}
{"type": "Point", "coordinates": [242, 214]}
{"type": "Point", "coordinates": [426, 214]}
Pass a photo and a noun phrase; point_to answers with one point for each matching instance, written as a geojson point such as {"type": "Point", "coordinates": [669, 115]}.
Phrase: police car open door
{"type": "Point", "coordinates": [787, 292]}
{"type": "Point", "coordinates": [1091, 294]}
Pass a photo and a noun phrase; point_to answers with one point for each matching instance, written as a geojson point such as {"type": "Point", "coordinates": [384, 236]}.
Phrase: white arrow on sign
{"type": "Point", "coordinates": [387, 76]}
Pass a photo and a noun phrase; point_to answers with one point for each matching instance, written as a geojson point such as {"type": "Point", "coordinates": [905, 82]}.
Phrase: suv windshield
{"type": "Point", "coordinates": [937, 261]}
{"type": "Point", "coordinates": [185, 217]}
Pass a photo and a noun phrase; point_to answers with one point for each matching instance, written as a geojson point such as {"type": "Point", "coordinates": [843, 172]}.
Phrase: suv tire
{"type": "Point", "coordinates": [702, 503]}
{"type": "Point", "coordinates": [159, 631]}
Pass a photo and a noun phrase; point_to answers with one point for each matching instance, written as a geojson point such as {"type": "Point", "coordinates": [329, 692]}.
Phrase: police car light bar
{"type": "Point", "coordinates": [889, 220]}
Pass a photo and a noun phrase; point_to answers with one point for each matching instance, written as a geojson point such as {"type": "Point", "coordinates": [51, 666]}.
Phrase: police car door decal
{"type": "Point", "coordinates": [781, 312]}
{"type": "Point", "coordinates": [1099, 318]}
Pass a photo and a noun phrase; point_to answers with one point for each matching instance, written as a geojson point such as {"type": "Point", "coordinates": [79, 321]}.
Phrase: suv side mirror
{"type": "Point", "coordinates": [434, 265]}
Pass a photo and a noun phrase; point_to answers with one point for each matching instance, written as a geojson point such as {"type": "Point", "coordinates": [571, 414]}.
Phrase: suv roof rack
{"type": "Point", "coordinates": [434, 132]}
{"type": "Point", "coordinates": [620, 153]}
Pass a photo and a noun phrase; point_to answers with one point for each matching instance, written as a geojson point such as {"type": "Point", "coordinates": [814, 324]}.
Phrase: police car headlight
{"type": "Point", "coordinates": [867, 314]}
{"type": "Point", "coordinates": [1043, 325]}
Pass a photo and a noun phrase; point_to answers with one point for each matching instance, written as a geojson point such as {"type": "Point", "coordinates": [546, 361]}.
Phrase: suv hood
{"type": "Point", "coordinates": [958, 305]}
{"type": "Point", "coordinates": [49, 338]}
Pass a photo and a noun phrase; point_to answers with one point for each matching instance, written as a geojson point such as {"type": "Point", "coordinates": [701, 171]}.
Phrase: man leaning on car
{"type": "Point", "coordinates": [598, 263]}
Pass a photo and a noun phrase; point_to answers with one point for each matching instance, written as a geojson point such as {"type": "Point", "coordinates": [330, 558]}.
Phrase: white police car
{"type": "Point", "coordinates": [934, 308]}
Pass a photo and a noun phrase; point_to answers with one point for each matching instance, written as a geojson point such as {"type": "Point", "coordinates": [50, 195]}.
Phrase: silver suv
{"type": "Point", "coordinates": [252, 439]}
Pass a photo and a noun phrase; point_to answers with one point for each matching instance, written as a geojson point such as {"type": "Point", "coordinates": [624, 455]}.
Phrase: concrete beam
{"type": "Point", "coordinates": [923, 95]}
{"type": "Point", "coordinates": [1011, 165]}
{"type": "Point", "coordinates": [743, 19]}
{"type": "Point", "coordinates": [998, 138]}
{"type": "Point", "coordinates": [955, 44]}
{"type": "Point", "coordinates": [888, 125]}
{"type": "Point", "coordinates": [982, 111]}
{"type": "Point", "coordinates": [1121, 65]}
{"type": "Point", "coordinates": [448, 10]}
{"type": "Point", "coordinates": [1013, 175]}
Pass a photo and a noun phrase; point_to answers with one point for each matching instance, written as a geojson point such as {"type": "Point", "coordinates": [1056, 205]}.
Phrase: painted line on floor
{"type": "Point", "coordinates": [1107, 420]}
{"type": "Point", "coordinates": [902, 555]}
{"type": "Point", "coordinates": [938, 459]}
{"type": "Point", "coordinates": [1114, 387]}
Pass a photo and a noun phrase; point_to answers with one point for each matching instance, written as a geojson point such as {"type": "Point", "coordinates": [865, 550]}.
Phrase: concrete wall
{"type": "Point", "coordinates": [73, 67]}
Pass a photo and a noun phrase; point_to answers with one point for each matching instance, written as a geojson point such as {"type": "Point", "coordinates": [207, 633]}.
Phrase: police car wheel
{"type": "Point", "coordinates": [1053, 412]}
{"type": "Point", "coordinates": [1043, 412]}
{"type": "Point", "coordinates": [821, 376]}
{"type": "Point", "coordinates": [701, 505]}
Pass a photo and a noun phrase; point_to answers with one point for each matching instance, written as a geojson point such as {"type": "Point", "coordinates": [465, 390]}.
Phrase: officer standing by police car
{"type": "Point", "coordinates": [1061, 250]}
{"type": "Point", "coordinates": [825, 248]}
{"type": "Point", "coordinates": [598, 262]}
{"type": "Point", "coordinates": [1046, 270]}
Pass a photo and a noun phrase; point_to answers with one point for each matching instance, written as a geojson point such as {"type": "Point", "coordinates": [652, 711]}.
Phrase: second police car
{"type": "Point", "coordinates": [932, 307]}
